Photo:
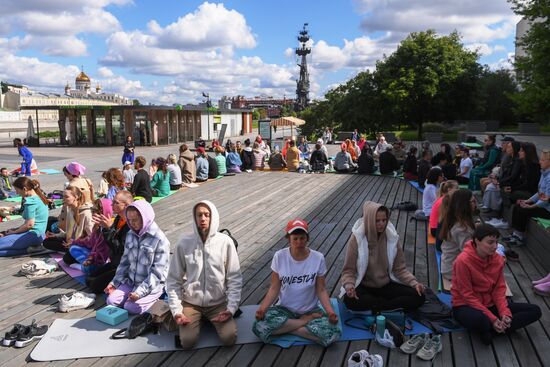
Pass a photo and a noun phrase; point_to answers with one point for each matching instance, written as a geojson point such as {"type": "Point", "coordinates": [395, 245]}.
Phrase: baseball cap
{"type": "Point", "coordinates": [127, 163]}
{"type": "Point", "coordinates": [296, 224]}
{"type": "Point", "coordinates": [200, 150]}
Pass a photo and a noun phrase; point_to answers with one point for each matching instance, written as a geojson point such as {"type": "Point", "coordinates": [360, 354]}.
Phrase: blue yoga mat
{"type": "Point", "coordinates": [416, 186]}
{"type": "Point", "coordinates": [50, 171]}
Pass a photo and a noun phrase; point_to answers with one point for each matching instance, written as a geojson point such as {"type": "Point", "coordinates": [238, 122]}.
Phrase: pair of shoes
{"type": "Point", "coordinates": [36, 268]}
{"type": "Point", "coordinates": [21, 335]}
{"type": "Point", "coordinates": [511, 255]}
{"type": "Point", "coordinates": [430, 349]}
{"type": "Point", "coordinates": [498, 223]}
{"type": "Point", "coordinates": [75, 301]}
{"type": "Point", "coordinates": [513, 240]}
{"type": "Point", "coordinates": [546, 279]}
{"type": "Point", "coordinates": [415, 343]}
{"type": "Point", "coordinates": [543, 289]}
{"type": "Point", "coordinates": [362, 358]}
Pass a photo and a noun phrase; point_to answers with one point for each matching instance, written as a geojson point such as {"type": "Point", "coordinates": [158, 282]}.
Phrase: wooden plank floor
{"type": "Point", "coordinates": [256, 207]}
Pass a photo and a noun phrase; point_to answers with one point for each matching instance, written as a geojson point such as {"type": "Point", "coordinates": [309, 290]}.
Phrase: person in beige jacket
{"type": "Point", "coordinates": [204, 279]}
{"type": "Point", "coordinates": [375, 276]}
{"type": "Point", "coordinates": [187, 164]}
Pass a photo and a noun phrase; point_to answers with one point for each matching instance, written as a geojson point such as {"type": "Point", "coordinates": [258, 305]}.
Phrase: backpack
{"type": "Point", "coordinates": [406, 206]}
{"type": "Point", "coordinates": [140, 325]}
{"type": "Point", "coordinates": [434, 314]}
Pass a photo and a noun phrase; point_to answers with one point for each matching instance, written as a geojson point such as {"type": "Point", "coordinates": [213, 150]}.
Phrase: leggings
{"type": "Point", "coordinates": [17, 244]}
{"type": "Point", "coordinates": [389, 297]}
{"type": "Point", "coordinates": [57, 244]}
{"type": "Point", "coordinates": [520, 216]}
{"type": "Point", "coordinates": [475, 320]}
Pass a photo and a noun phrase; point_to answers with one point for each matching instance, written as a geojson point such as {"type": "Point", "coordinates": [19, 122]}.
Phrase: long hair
{"type": "Point", "coordinates": [115, 177]}
{"type": "Point", "coordinates": [531, 155]}
{"type": "Point", "coordinates": [161, 164]}
{"type": "Point", "coordinates": [444, 190]}
{"type": "Point", "coordinates": [460, 212]}
{"type": "Point", "coordinates": [26, 183]}
{"type": "Point", "coordinates": [80, 199]}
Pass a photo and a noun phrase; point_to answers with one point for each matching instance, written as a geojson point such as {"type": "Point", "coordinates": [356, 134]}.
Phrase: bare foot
{"type": "Point", "coordinates": [311, 316]}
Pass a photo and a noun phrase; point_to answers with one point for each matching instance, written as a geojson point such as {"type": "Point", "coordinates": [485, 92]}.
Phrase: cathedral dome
{"type": "Point", "coordinates": [82, 77]}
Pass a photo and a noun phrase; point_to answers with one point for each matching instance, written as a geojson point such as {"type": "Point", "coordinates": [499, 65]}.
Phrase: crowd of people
{"type": "Point", "coordinates": [114, 239]}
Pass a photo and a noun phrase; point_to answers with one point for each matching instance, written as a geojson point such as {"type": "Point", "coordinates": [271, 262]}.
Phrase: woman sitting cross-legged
{"type": "Point", "coordinates": [479, 290]}
{"type": "Point", "coordinates": [375, 276]}
{"type": "Point", "coordinates": [298, 281]}
{"type": "Point", "coordinates": [35, 213]}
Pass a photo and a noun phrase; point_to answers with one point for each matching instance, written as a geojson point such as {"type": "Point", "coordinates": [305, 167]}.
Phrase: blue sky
{"type": "Point", "coordinates": [170, 51]}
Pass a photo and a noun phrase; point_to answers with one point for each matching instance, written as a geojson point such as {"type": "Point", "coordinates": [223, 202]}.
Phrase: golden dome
{"type": "Point", "coordinates": [82, 77]}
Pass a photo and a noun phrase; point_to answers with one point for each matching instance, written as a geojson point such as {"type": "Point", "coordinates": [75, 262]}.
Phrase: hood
{"type": "Point", "coordinates": [369, 219]}
{"type": "Point", "coordinates": [147, 214]}
{"type": "Point", "coordinates": [214, 218]}
{"type": "Point", "coordinates": [107, 207]}
{"type": "Point", "coordinates": [187, 155]}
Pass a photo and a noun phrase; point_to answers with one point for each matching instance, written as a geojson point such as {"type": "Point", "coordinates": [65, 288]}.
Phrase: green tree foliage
{"type": "Point", "coordinates": [429, 78]}
{"type": "Point", "coordinates": [495, 91]}
{"type": "Point", "coordinates": [135, 102]}
{"type": "Point", "coordinates": [532, 70]}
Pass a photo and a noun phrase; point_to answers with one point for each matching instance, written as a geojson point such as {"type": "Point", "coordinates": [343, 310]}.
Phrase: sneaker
{"type": "Point", "coordinates": [374, 360]}
{"type": "Point", "coordinates": [11, 336]}
{"type": "Point", "coordinates": [30, 333]}
{"type": "Point", "coordinates": [357, 359]}
{"type": "Point", "coordinates": [546, 279]}
{"type": "Point", "coordinates": [430, 349]}
{"type": "Point", "coordinates": [498, 223]}
{"type": "Point", "coordinates": [543, 289]}
{"type": "Point", "coordinates": [414, 344]}
{"type": "Point", "coordinates": [75, 301]}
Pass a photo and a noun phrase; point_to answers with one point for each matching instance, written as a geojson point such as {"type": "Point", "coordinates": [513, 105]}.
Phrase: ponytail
{"type": "Point", "coordinates": [39, 192]}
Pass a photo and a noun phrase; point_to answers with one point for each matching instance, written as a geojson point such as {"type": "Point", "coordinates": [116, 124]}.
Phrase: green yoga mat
{"type": "Point", "coordinates": [543, 222]}
{"type": "Point", "coordinates": [473, 145]}
{"type": "Point", "coordinates": [463, 186]}
{"type": "Point", "coordinates": [15, 199]}
{"type": "Point", "coordinates": [158, 198]}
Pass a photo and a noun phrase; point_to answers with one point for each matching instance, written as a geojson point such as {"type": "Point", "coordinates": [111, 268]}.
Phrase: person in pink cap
{"type": "Point", "coordinates": [298, 283]}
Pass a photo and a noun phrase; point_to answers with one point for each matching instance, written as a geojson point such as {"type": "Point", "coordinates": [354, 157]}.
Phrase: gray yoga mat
{"type": "Point", "coordinates": [89, 338]}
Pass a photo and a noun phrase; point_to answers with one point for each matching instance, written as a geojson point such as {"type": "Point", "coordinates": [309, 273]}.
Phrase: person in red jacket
{"type": "Point", "coordinates": [479, 291]}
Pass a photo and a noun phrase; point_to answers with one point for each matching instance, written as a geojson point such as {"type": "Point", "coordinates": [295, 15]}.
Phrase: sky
{"type": "Point", "coordinates": [169, 51]}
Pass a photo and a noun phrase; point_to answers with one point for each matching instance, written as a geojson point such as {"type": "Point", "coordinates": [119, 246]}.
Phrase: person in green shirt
{"type": "Point", "coordinates": [220, 161]}
{"type": "Point", "coordinates": [490, 160]}
{"type": "Point", "coordinates": [16, 241]}
{"type": "Point", "coordinates": [160, 184]}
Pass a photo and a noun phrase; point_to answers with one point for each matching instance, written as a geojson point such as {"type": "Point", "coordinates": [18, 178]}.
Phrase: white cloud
{"type": "Point", "coordinates": [477, 21]}
{"type": "Point", "coordinates": [504, 63]}
{"type": "Point", "coordinates": [105, 72]}
{"type": "Point", "coordinates": [481, 48]}
{"type": "Point", "coordinates": [210, 26]}
{"type": "Point", "coordinates": [33, 72]}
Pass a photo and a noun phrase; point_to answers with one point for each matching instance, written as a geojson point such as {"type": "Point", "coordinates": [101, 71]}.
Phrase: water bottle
{"type": "Point", "coordinates": [380, 325]}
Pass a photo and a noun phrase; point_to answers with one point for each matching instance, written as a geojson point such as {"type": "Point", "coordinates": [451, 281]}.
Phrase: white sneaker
{"type": "Point", "coordinates": [498, 223]}
{"type": "Point", "coordinates": [76, 266]}
{"type": "Point", "coordinates": [358, 359]}
{"type": "Point", "coordinates": [76, 301]}
{"type": "Point", "coordinates": [374, 360]}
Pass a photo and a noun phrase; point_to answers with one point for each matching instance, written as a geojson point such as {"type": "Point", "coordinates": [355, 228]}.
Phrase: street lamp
{"type": "Point", "coordinates": [208, 105]}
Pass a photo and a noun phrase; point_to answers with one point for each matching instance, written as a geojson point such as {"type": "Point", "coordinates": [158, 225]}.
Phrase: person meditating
{"type": "Point", "coordinates": [204, 280]}
{"type": "Point", "coordinates": [298, 282]}
{"type": "Point", "coordinates": [375, 276]}
{"type": "Point", "coordinates": [479, 290]}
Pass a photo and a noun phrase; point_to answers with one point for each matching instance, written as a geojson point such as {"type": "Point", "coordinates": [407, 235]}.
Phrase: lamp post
{"type": "Point", "coordinates": [208, 105]}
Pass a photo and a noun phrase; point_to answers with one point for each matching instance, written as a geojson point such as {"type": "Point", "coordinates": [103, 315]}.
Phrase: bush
{"type": "Point", "coordinates": [49, 134]}
{"type": "Point", "coordinates": [407, 135]}
{"type": "Point", "coordinates": [433, 127]}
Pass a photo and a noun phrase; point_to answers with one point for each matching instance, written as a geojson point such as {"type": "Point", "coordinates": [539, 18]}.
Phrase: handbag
{"type": "Point", "coordinates": [140, 325]}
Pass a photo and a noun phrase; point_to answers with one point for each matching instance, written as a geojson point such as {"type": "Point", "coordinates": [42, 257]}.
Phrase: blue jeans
{"type": "Point", "coordinates": [25, 168]}
{"type": "Point", "coordinates": [17, 244]}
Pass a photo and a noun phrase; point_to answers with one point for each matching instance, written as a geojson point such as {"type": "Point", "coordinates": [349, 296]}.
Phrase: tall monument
{"type": "Point", "coordinates": [302, 84]}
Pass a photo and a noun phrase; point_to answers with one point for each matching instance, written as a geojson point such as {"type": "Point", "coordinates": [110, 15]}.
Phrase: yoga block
{"type": "Point", "coordinates": [111, 315]}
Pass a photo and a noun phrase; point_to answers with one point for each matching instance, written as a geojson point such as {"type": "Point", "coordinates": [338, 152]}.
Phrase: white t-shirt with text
{"type": "Point", "coordinates": [298, 279]}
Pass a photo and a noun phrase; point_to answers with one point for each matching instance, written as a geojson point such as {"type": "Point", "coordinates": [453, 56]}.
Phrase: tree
{"type": "Point", "coordinates": [532, 69]}
{"type": "Point", "coordinates": [429, 78]}
{"type": "Point", "coordinates": [135, 102]}
{"type": "Point", "coordinates": [495, 91]}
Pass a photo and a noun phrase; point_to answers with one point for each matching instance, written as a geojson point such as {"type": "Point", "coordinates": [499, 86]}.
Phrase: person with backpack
{"type": "Point", "coordinates": [204, 279]}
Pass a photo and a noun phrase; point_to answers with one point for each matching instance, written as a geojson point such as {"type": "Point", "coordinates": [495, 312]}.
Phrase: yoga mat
{"type": "Point", "coordinates": [463, 187]}
{"type": "Point", "coordinates": [416, 186]}
{"type": "Point", "coordinates": [158, 198]}
{"type": "Point", "coordinates": [76, 274]}
{"type": "Point", "coordinates": [12, 217]}
{"type": "Point", "coordinates": [395, 175]}
{"type": "Point", "coordinates": [431, 239]}
{"type": "Point", "coordinates": [473, 145]}
{"type": "Point", "coordinates": [15, 199]}
{"type": "Point", "coordinates": [49, 171]}
{"type": "Point", "coordinates": [543, 222]}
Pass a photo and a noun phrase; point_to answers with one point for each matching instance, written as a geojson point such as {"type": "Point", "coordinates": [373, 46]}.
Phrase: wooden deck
{"type": "Point", "coordinates": [256, 207]}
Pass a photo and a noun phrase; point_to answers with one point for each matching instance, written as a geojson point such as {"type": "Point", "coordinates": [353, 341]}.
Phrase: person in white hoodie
{"type": "Point", "coordinates": [204, 279]}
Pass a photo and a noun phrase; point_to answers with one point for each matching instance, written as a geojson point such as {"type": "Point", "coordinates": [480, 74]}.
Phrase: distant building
{"type": "Point", "coordinates": [19, 97]}
{"type": "Point", "coordinates": [273, 106]}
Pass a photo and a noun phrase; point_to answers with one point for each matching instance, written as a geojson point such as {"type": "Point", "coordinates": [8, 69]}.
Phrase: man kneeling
{"type": "Point", "coordinates": [205, 279]}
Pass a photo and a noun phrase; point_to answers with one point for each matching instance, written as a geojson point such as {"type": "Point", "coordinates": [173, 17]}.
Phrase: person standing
{"type": "Point", "coordinates": [129, 147]}
{"type": "Point", "coordinates": [26, 154]}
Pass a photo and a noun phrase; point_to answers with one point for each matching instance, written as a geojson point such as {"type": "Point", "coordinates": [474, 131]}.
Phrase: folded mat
{"type": "Point", "coordinates": [473, 145]}
{"type": "Point", "coordinates": [543, 222]}
{"type": "Point", "coordinates": [416, 186]}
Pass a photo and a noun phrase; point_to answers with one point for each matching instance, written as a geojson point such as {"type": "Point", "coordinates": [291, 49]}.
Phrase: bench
{"type": "Point", "coordinates": [538, 243]}
{"type": "Point", "coordinates": [528, 128]}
